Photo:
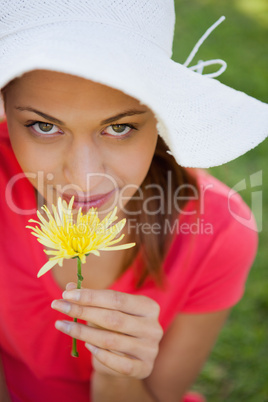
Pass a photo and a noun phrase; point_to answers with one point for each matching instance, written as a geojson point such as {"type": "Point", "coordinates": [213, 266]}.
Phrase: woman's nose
{"type": "Point", "coordinates": [84, 165]}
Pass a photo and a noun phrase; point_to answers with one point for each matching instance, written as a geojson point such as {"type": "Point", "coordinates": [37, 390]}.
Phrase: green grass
{"type": "Point", "coordinates": [237, 369]}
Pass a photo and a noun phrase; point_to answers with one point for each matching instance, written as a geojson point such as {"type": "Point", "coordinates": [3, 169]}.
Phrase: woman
{"type": "Point", "coordinates": [93, 103]}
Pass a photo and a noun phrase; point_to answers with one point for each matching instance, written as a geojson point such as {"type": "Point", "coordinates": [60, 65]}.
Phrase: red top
{"type": "Point", "coordinates": [206, 269]}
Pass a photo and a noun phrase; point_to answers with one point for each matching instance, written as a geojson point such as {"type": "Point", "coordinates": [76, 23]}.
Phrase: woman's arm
{"type": "Point", "coordinates": [183, 351]}
{"type": "Point", "coordinates": [110, 388]}
{"type": "Point", "coordinates": [4, 396]}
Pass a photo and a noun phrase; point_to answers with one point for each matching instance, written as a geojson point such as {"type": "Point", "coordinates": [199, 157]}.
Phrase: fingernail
{"type": "Point", "coordinates": [64, 326]}
{"type": "Point", "coordinates": [63, 306]}
{"type": "Point", "coordinates": [71, 295]}
{"type": "Point", "coordinates": [71, 286]}
{"type": "Point", "coordinates": [91, 348]}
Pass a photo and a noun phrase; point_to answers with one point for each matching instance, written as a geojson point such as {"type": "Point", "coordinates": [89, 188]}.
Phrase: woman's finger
{"type": "Point", "coordinates": [112, 320]}
{"type": "Point", "coordinates": [71, 286]}
{"type": "Point", "coordinates": [130, 304]}
{"type": "Point", "coordinates": [121, 364]}
{"type": "Point", "coordinates": [122, 344]}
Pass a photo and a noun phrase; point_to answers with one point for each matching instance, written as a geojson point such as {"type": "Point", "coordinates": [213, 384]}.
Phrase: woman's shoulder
{"type": "Point", "coordinates": [217, 218]}
{"type": "Point", "coordinates": [221, 204]}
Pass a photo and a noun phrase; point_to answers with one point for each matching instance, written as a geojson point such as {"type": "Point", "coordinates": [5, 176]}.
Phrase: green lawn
{"type": "Point", "coordinates": [238, 367]}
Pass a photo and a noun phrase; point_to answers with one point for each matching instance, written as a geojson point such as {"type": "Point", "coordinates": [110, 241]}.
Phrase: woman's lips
{"type": "Point", "coordinates": [93, 201]}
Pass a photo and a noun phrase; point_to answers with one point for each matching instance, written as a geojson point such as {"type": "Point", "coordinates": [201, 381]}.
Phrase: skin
{"type": "Point", "coordinates": [132, 358]}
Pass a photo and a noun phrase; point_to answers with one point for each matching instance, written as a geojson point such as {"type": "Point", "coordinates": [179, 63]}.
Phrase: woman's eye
{"type": "Point", "coordinates": [44, 128]}
{"type": "Point", "coordinates": [118, 129]}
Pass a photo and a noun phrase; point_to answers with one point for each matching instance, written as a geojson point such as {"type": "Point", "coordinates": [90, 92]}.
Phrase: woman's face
{"type": "Point", "coordinates": [77, 137]}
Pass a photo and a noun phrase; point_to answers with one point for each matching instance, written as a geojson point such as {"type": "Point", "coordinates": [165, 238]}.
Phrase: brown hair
{"type": "Point", "coordinates": [169, 176]}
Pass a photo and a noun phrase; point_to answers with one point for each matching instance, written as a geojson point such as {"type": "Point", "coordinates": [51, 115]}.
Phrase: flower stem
{"type": "Point", "coordinates": [79, 281]}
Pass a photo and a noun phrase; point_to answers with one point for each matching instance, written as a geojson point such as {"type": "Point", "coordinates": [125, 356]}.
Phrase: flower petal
{"type": "Point", "coordinates": [45, 268]}
{"type": "Point", "coordinates": [120, 247]}
{"type": "Point", "coordinates": [95, 252]}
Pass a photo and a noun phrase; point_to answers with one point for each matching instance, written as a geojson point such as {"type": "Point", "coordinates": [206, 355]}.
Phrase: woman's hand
{"type": "Point", "coordinates": [122, 330]}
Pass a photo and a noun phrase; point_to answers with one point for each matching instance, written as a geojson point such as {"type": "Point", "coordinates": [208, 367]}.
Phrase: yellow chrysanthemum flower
{"type": "Point", "coordinates": [68, 239]}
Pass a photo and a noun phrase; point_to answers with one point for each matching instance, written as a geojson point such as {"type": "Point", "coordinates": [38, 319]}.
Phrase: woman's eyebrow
{"type": "Point", "coordinates": [46, 116]}
{"type": "Point", "coordinates": [131, 112]}
{"type": "Point", "coordinates": [124, 114]}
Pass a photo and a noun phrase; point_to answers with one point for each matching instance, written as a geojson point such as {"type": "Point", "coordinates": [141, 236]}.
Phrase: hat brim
{"type": "Point", "coordinates": [204, 122]}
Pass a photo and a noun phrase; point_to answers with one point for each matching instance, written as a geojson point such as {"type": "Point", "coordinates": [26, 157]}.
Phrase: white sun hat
{"type": "Point", "coordinates": [127, 45]}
